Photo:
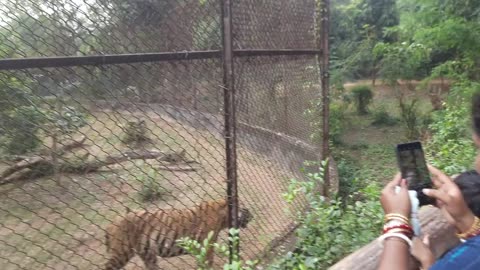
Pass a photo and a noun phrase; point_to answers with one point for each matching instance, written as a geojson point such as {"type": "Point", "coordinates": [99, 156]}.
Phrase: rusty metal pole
{"type": "Point", "coordinates": [325, 82]}
{"type": "Point", "coordinates": [230, 118]}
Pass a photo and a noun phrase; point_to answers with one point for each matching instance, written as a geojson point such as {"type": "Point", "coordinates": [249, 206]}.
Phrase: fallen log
{"type": "Point", "coordinates": [39, 166]}
{"type": "Point", "coordinates": [176, 168]}
{"type": "Point", "coordinates": [442, 239]}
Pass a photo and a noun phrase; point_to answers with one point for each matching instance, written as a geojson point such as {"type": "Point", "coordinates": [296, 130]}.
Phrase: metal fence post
{"type": "Point", "coordinates": [325, 82]}
{"type": "Point", "coordinates": [230, 120]}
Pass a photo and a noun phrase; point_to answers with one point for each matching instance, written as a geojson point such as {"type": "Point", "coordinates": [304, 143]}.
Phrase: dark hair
{"type": "Point", "coordinates": [476, 113]}
{"type": "Point", "coordinates": [469, 184]}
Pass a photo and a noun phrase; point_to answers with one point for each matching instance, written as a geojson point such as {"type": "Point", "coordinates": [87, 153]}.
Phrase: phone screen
{"type": "Point", "coordinates": [411, 160]}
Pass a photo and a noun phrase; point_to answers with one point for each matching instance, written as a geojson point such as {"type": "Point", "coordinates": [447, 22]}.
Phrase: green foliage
{"type": "Point", "coordinates": [400, 60]}
{"type": "Point", "coordinates": [205, 34]}
{"type": "Point", "coordinates": [451, 148]}
{"type": "Point", "coordinates": [68, 119]}
{"type": "Point", "coordinates": [336, 121]}
{"type": "Point", "coordinates": [200, 250]}
{"type": "Point", "coordinates": [410, 118]}
{"type": "Point", "coordinates": [331, 229]}
{"type": "Point", "coordinates": [20, 116]}
{"type": "Point", "coordinates": [357, 25]}
{"type": "Point", "coordinates": [135, 132]}
{"type": "Point", "coordinates": [151, 189]}
{"type": "Point", "coordinates": [19, 128]}
{"type": "Point", "coordinates": [382, 118]}
{"type": "Point", "coordinates": [362, 96]}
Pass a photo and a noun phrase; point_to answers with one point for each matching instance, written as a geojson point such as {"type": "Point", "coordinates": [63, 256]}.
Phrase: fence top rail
{"type": "Point", "coordinates": [98, 60]}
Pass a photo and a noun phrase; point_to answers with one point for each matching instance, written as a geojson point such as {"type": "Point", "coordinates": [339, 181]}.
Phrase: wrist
{"type": "Point", "coordinates": [427, 264]}
{"type": "Point", "coordinates": [427, 261]}
{"type": "Point", "coordinates": [465, 223]}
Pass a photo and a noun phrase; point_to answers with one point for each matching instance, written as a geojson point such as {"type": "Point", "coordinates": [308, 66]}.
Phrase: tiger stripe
{"type": "Point", "coordinates": [151, 234]}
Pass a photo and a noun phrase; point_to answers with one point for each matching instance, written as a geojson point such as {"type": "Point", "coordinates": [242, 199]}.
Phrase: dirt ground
{"type": "Point", "coordinates": [49, 226]}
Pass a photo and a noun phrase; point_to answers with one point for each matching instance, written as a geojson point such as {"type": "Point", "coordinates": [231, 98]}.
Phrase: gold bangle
{"type": "Point", "coordinates": [402, 221]}
{"type": "Point", "coordinates": [399, 217]}
{"type": "Point", "coordinates": [473, 229]}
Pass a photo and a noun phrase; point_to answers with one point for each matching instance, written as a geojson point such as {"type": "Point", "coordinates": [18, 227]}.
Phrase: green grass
{"type": "Point", "coordinates": [370, 149]}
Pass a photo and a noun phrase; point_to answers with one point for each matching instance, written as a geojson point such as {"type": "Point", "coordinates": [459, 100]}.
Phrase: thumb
{"type": "Point", "coordinates": [426, 240]}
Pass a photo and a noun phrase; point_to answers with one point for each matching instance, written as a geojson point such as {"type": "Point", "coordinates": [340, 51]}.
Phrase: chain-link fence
{"type": "Point", "coordinates": [109, 107]}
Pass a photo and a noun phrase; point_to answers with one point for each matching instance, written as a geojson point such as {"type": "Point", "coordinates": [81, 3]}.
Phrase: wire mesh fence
{"type": "Point", "coordinates": [113, 107]}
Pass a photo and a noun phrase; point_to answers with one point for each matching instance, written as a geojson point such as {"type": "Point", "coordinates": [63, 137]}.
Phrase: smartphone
{"type": "Point", "coordinates": [411, 161]}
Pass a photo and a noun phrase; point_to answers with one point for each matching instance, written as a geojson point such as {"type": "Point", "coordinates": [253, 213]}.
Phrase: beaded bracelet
{"type": "Point", "coordinates": [397, 235]}
{"type": "Point", "coordinates": [473, 231]}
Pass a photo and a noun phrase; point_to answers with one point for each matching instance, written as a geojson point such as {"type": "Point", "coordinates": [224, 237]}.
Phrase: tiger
{"type": "Point", "coordinates": [154, 233]}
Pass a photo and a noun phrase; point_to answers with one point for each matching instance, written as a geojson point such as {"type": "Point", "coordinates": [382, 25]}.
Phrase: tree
{"type": "Point", "coordinates": [357, 25]}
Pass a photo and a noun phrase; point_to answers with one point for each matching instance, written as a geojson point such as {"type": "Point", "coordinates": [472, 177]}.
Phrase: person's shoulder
{"type": "Point", "coordinates": [465, 256]}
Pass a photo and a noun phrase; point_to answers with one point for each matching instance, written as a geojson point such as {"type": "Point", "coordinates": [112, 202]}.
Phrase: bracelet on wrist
{"type": "Point", "coordinates": [401, 236]}
{"type": "Point", "coordinates": [472, 232]}
{"type": "Point", "coordinates": [397, 217]}
{"type": "Point", "coordinates": [400, 226]}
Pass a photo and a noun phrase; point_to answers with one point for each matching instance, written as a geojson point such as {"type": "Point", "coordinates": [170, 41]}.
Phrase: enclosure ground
{"type": "Point", "coordinates": [51, 226]}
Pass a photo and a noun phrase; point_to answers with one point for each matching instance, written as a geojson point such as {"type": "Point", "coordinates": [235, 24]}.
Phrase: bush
{"type": "Point", "coordinates": [330, 230]}
{"type": "Point", "coordinates": [151, 189]}
{"type": "Point", "coordinates": [348, 183]}
{"type": "Point", "coordinates": [410, 118]}
{"type": "Point", "coordinates": [451, 148]}
{"type": "Point", "coordinates": [362, 96]}
{"type": "Point", "coordinates": [19, 129]}
{"type": "Point", "coordinates": [337, 120]}
{"type": "Point", "coordinates": [199, 251]}
{"type": "Point", "coordinates": [382, 118]}
{"type": "Point", "coordinates": [135, 132]}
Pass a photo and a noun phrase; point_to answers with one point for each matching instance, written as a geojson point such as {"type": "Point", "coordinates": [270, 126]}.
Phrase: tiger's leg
{"type": "Point", "coordinates": [118, 261]}
{"type": "Point", "coordinates": [149, 257]}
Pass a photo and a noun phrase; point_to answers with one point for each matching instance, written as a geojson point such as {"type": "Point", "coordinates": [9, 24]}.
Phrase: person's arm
{"type": "Point", "coordinates": [421, 251]}
{"type": "Point", "coordinates": [395, 255]}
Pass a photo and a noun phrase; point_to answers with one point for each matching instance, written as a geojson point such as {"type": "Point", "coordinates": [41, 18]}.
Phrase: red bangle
{"type": "Point", "coordinates": [403, 227]}
{"type": "Point", "coordinates": [477, 233]}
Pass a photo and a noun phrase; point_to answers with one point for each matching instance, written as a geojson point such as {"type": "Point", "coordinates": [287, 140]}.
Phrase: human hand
{"type": "Point", "coordinates": [422, 252]}
{"type": "Point", "coordinates": [450, 200]}
{"type": "Point", "coordinates": [396, 203]}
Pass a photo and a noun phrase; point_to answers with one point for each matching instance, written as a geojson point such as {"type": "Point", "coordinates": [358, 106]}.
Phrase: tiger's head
{"type": "Point", "coordinates": [244, 217]}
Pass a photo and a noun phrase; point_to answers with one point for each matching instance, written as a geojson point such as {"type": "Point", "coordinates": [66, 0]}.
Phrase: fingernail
{"type": "Point", "coordinates": [426, 191]}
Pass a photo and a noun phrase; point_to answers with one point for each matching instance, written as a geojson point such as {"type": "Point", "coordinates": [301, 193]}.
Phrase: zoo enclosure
{"type": "Point", "coordinates": [151, 104]}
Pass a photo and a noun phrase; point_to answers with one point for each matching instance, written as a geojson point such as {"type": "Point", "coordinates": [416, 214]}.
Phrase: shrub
{"type": "Point", "coordinates": [337, 120]}
{"type": "Point", "coordinates": [330, 230]}
{"type": "Point", "coordinates": [20, 116]}
{"type": "Point", "coordinates": [451, 147]}
{"type": "Point", "coordinates": [135, 132]}
{"type": "Point", "coordinates": [199, 251]}
{"type": "Point", "coordinates": [362, 97]}
{"type": "Point", "coordinates": [151, 189]}
{"type": "Point", "coordinates": [68, 119]}
{"type": "Point", "coordinates": [410, 118]}
{"type": "Point", "coordinates": [19, 129]}
{"type": "Point", "coordinates": [382, 118]}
